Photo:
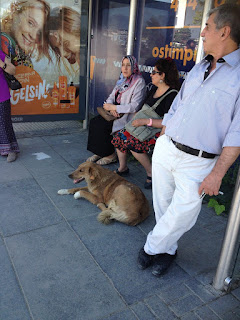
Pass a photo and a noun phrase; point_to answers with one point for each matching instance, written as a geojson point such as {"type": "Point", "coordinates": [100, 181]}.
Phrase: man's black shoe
{"type": "Point", "coordinates": [144, 260]}
{"type": "Point", "coordinates": [162, 263]}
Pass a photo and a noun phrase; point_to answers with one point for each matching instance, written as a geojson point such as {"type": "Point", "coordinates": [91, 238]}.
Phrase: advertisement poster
{"type": "Point", "coordinates": [42, 38]}
{"type": "Point", "coordinates": [171, 29]}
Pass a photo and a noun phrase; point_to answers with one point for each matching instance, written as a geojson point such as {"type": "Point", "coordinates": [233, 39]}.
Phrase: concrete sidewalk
{"type": "Point", "coordinates": [57, 262]}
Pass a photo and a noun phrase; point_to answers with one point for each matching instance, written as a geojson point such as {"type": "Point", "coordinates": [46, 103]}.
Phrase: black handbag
{"type": "Point", "coordinates": [12, 82]}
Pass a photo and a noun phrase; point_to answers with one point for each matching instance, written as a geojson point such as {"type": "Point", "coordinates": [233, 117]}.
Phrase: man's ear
{"type": "Point", "coordinates": [226, 32]}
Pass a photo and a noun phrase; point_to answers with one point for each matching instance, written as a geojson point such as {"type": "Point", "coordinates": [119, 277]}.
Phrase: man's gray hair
{"type": "Point", "coordinates": [228, 15]}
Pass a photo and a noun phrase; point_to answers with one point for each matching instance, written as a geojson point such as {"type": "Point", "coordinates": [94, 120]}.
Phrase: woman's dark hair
{"type": "Point", "coordinates": [168, 66]}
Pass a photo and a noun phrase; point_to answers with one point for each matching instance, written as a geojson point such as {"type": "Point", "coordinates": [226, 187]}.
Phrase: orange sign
{"type": "Point", "coordinates": [36, 97]}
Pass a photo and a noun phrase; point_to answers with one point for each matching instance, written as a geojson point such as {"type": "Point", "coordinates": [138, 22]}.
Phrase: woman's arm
{"type": "Point", "coordinates": [7, 66]}
{"type": "Point", "coordinates": [163, 108]}
{"type": "Point", "coordinates": [156, 123]}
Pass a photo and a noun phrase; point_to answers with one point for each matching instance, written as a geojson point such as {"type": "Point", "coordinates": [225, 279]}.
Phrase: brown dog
{"type": "Point", "coordinates": [125, 201]}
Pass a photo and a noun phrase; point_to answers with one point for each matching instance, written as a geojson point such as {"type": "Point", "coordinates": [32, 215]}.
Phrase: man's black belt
{"type": "Point", "coordinates": [194, 152]}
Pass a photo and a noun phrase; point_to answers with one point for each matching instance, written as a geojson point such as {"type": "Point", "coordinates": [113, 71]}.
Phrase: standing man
{"type": "Point", "coordinates": [201, 140]}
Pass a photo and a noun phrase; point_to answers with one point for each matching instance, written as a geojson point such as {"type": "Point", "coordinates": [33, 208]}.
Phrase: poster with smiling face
{"type": "Point", "coordinates": [42, 38]}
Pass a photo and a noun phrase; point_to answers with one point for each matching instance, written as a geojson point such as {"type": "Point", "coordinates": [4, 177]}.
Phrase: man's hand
{"type": "Point", "coordinates": [212, 182]}
{"type": "Point", "coordinates": [210, 185]}
{"type": "Point", "coordinates": [163, 130]}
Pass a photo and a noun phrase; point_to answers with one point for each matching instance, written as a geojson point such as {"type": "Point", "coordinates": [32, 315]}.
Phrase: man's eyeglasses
{"type": "Point", "coordinates": [154, 72]}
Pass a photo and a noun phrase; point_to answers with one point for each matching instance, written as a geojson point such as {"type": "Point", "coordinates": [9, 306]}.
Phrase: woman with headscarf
{"type": "Point", "coordinates": [125, 99]}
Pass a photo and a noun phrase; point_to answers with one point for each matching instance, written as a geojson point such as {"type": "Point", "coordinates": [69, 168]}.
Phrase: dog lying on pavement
{"type": "Point", "coordinates": [115, 196]}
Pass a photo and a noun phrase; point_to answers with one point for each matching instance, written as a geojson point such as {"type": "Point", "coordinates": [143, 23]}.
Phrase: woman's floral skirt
{"type": "Point", "coordinates": [124, 141]}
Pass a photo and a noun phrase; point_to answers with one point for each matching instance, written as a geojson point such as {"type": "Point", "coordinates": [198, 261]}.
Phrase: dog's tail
{"type": "Point", "coordinates": [105, 216]}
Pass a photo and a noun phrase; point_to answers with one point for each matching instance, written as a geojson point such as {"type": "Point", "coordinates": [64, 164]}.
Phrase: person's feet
{"type": "Point", "coordinates": [144, 260]}
{"type": "Point", "coordinates": [148, 183]}
{"type": "Point", "coordinates": [12, 156]}
{"type": "Point", "coordinates": [107, 160]}
{"type": "Point", "coordinates": [93, 158]}
{"type": "Point", "coordinates": [122, 173]}
{"type": "Point", "coordinates": [160, 262]}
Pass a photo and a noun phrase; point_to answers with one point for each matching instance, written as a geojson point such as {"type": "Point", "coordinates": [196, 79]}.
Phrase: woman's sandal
{"type": "Point", "coordinates": [93, 158]}
{"type": "Point", "coordinates": [104, 161]}
{"type": "Point", "coordinates": [122, 173]}
{"type": "Point", "coordinates": [148, 185]}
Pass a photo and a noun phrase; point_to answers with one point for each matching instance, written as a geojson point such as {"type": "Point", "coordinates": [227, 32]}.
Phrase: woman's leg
{"type": "Point", "coordinates": [8, 141]}
{"type": "Point", "coordinates": [145, 162]}
{"type": "Point", "coordinates": [99, 137]}
{"type": "Point", "coordinates": [122, 157]}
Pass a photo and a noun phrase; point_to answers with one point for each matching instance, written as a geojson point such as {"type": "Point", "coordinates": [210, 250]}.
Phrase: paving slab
{"type": "Point", "coordinates": [185, 304]}
{"type": "Point", "coordinates": [205, 293]}
{"type": "Point", "coordinates": [223, 305]}
{"type": "Point", "coordinates": [60, 280]}
{"type": "Point", "coordinates": [199, 250]}
{"type": "Point", "coordinates": [13, 171]}
{"type": "Point", "coordinates": [204, 313]}
{"type": "Point", "coordinates": [172, 293]}
{"type": "Point", "coordinates": [72, 153]}
{"type": "Point", "coordinates": [44, 160]}
{"type": "Point", "coordinates": [189, 316]}
{"type": "Point", "coordinates": [160, 308]}
{"type": "Point", "coordinates": [1, 239]}
{"type": "Point", "coordinates": [71, 138]}
{"type": "Point", "coordinates": [24, 207]}
{"type": "Point", "coordinates": [143, 312]}
{"type": "Point", "coordinates": [26, 145]}
{"type": "Point", "coordinates": [12, 303]}
{"type": "Point", "coordinates": [126, 315]}
{"type": "Point", "coordinates": [115, 247]}
{"type": "Point", "coordinates": [69, 207]}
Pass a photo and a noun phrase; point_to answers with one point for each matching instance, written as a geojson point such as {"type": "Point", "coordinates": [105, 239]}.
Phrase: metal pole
{"type": "Point", "coordinates": [131, 26]}
{"type": "Point", "coordinates": [85, 121]}
{"type": "Point", "coordinates": [230, 240]}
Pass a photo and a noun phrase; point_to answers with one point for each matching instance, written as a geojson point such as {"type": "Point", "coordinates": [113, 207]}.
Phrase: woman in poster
{"type": "Point", "coordinates": [64, 34]}
{"type": "Point", "coordinates": [63, 45]}
{"type": "Point", "coordinates": [24, 31]}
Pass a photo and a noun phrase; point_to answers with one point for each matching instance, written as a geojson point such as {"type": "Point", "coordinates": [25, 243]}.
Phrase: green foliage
{"type": "Point", "coordinates": [222, 203]}
{"type": "Point", "coordinates": [217, 207]}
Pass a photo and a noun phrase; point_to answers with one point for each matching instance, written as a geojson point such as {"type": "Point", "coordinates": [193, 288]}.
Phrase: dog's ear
{"type": "Point", "coordinates": [91, 173]}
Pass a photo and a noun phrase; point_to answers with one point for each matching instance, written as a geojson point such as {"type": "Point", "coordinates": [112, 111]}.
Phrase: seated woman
{"type": "Point", "coordinates": [165, 78]}
{"type": "Point", "coordinates": [125, 99]}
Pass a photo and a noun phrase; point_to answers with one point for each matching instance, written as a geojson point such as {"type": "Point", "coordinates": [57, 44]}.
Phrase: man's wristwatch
{"type": "Point", "coordinates": [4, 66]}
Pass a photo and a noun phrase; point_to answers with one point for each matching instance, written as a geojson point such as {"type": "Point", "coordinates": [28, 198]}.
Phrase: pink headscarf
{"type": "Point", "coordinates": [126, 83]}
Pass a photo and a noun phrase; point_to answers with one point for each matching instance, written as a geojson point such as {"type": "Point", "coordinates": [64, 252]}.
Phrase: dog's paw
{"type": "Point", "coordinates": [63, 191]}
{"type": "Point", "coordinates": [77, 195]}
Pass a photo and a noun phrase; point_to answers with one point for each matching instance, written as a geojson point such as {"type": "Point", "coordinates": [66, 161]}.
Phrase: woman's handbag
{"type": "Point", "coordinates": [143, 133]}
{"type": "Point", "coordinates": [12, 82]}
{"type": "Point", "coordinates": [107, 115]}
